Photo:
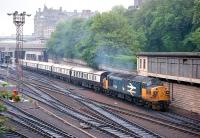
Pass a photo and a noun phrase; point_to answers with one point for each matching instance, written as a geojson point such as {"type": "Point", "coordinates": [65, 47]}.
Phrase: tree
{"type": "Point", "coordinates": [110, 36]}
{"type": "Point", "coordinates": [114, 37]}
{"type": "Point", "coordinates": [64, 40]}
{"type": "Point", "coordinates": [165, 23]}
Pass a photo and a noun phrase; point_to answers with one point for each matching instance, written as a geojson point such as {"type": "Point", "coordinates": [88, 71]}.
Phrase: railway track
{"type": "Point", "coordinates": [122, 131]}
{"type": "Point", "coordinates": [177, 122]}
{"type": "Point", "coordinates": [152, 118]}
{"type": "Point", "coordinates": [109, 128]}
{"type": "Point", "coordinates": [13, 134]}
{"type": "Point", "coordinates": [33, 123]}
{"type": "Point", "coordinates": [170, 120]}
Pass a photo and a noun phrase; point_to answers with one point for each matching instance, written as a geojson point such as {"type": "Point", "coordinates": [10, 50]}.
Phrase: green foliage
{"type": "Point", "coordinates": [64, 40]}
{"type": "Point", "coordinates": [2, 108]}
{"type": "Point", "coordinates": [110, 35]}
{"type": "Point", "coordinates": [114, 37]}
{"type": "Point", "coordinates": [192, 42]}
{"type": "Point", "coordinates": [17, 98]}
{"type": "Point", "coordinates": [196, 16]}
{"type": "Point", "coordinates": [3, 129]}
{"type": "Point", "coordinates": [166, 23]}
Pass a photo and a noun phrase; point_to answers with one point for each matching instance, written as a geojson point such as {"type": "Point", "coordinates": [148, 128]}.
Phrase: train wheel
{"type": "Point", "coordinates": [163, 106]}
{"type": "Point", "coordinates": [156, 106]}
{"type": "Point", "coordinates": [148, 105]}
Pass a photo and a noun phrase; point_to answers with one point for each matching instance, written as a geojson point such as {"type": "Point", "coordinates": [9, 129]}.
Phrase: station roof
{"type": "Point", "coordinates": [169, 54]}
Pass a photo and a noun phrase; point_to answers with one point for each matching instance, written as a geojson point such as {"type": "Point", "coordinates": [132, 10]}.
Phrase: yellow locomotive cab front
{"type": "Point", "coordinates": [160, 93]}
{"type": "Point", "coordinates": [158, 96]}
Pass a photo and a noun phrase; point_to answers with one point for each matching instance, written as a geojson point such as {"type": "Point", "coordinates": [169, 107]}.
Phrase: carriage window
{"type": "Point", "coordinates": [81, 75]}
{"type": "Point", "coordinates": [85, 75]}
{"type": "Point", "coordinates": [76, 73]}
{"type": "Point", "coordinates": [89, 76]}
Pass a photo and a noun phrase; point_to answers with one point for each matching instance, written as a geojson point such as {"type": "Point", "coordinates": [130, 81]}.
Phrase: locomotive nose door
{"type": "Point", "coordinates": [134, 88]}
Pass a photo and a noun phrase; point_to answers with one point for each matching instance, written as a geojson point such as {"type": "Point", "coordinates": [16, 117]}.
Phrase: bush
{"type": "Point", "coordinates": [2, 107]}
{"type": "Point", "coordinates": [17, 98]}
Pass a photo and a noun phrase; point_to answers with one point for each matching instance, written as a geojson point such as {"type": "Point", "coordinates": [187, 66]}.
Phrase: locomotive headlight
{"type": "Point", "coordinates": [167, 92]}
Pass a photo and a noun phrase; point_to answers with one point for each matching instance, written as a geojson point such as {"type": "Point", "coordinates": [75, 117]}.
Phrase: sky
{"type": "Point", "coordinates": [31, 6]}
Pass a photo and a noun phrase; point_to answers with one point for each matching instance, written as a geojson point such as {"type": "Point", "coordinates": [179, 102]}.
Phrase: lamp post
{"type": "Point", "coordinates": [19, 21]}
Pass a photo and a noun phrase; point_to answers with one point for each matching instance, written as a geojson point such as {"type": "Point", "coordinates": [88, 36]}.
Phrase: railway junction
{"type": "Point", "coordinates": [52, 107]}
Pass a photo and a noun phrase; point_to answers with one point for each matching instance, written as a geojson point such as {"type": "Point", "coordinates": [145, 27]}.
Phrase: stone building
{"type": "Point", "coordinates": [45, 21]}
{"type": "Point", "coordinates": [137, 5]}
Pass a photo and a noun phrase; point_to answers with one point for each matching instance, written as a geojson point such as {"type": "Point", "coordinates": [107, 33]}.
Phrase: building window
{"type": "Point", "coordinates": [140, 63]}
{"type": "Point", "coordinates": [144, 63]}
{"type": "Point", "coordinates": [184, 60]}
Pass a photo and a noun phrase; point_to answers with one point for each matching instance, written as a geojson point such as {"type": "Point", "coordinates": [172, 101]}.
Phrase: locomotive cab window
{"type": "Point", "coordinates": [144, 85]}
{"type": "Point", "coordinates": [153, 82]}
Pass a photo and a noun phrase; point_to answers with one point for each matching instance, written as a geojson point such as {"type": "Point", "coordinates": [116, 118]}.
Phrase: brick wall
{"type": "Point", "coordinates": [185, 96]}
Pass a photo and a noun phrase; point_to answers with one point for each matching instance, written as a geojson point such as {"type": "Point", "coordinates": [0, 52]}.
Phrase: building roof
{"type": "Point", "coordinates": [169, 54]}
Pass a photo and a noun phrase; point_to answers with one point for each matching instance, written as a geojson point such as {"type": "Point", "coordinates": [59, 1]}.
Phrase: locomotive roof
{"type": "Point", "coordinates": [137, 78]}
{"type": "Point", "coordinates": [123, 76]}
